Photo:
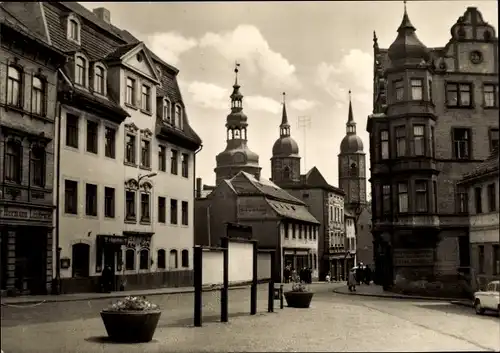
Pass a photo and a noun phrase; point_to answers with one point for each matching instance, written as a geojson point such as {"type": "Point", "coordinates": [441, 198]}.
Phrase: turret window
{"type": "Point", "coordinates": [421, 195]}
{"type": "Point", "coordinates": [402, 197]}
{"type": "Point", "coordinates": [416, 89]}
{"type": "Point", "coordinates": [400, 141]}
{"type": "Point", "coordinates": [384, 144]}
{"type": "Point", "coordinates": [286, 173]}
{"type": "Point", "coordinates": [386, 199]}
{"type": "Point", "coordinates": [399, 90]}
{"type": "Point", "coordinates": [419, 140]}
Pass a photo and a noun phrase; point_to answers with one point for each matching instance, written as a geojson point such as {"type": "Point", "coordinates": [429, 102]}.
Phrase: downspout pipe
{"type": "Point", "coordinates": [194, 191]}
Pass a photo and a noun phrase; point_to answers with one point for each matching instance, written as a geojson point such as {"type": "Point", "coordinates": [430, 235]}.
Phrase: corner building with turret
{"type": "Point", "coordinates": [435, 117]}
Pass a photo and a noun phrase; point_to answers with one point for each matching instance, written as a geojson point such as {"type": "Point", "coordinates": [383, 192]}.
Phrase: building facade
{"type": "Point", "coordinates": [126, 161]}
{"type": "Point", "coordinates": [350, 237]}
{"type": "Point", "coordinates": [28, 82]}
{"type": "Point", "coordinates": [435, 118]}
{"type": "Point", "coordinates": [482, 187]}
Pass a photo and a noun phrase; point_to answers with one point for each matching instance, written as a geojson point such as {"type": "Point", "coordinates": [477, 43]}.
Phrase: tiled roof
{"type": "Point", "coordinates": [298, 212]}
{"type": "Point", "coordinates": [312, 180]}
{"type": "Point", "coordinates": [121, 51]}
{"type": "Point", "coordinates": [490, 165]}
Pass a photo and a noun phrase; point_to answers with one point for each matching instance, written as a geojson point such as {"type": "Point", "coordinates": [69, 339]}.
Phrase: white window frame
{"type": "Point", "coordinates": [85, 70]}
{"type": "Point", "coordinates": [167, 107]}
{"type": "Point", "coordinates": [178, 124]}
{"type": "Point", "coordinates": [71, 18]}
{"type": "Point", "coordinates": [104, 79]}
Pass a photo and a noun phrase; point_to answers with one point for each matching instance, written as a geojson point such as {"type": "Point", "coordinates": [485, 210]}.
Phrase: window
{"type": "Point", "coordinates": [386, 199]}
{"type": "Point", "coordinates": [384, 144]}
{"type": "Point", "coordinates": [109, 202]}
{"type": "Point", "coordinates": [184, 213]}
{"type": "Point", "coordinates": [490, 95]}
{"type": "Point", "coordinates": [493, 139]}
{"type": "Point", "coordinates": [130, 259]}
{"type": "Point", "coordinates": [130, 93]}
{"type": "Point", "coordinates": [402, 197]}
{"type": "Point", "coordinates": [162, 158]}
{"type": "Point", "coordinates": [80, 71]}
{"type": "Point", "coordinates": [185, 165]}
{"type": "Point", "coordinates": [492, 199]}
{"type": "Point", "coordinates": [399, 90]}
{"type": "Point", "coordinates": [130, 205]}
{"type": "Point", "coordinates": [144, 259]}
{"type": "Point", "coordinates": [110, 142]}
{"type": "Point", "coordinates": [419, 139]}
{"type": "Point", "coordinates": [38, 166]}
{"type": "Point", "coordinates": [496, 259]}
{"type": "Point", "coordinates": [458, 95]}
{"type": "Point", "coordinates": [145, 153]}
{"type": "Point", "coordinates": [72, 130]}
{"type": "Point", "coordinates": [167, 111]}
{"type": "Point", "coordinates": [99, 82]}
{"type": "Point", "coordinates": [146, 98]}
{"type": "Point", "coordinates": [70, 197]}
{"type": "Point", "coordinates": [293, 231]}
{"type": "Point", "coordinates": [91, 200]}
{"type": "Point", "coordinates": [178, 116]}
{"type": "Point", "coordinates": [14, 86]}
{"type": "Point", "coordinates": [173, 259]}
{"type": "Point", "coordinates": [145, 212]}
{"type": "Point", "coordinates": [174, 162]}
{"type": "Point", "coordinates": [421, 195]}
{"type": "Point", "coordinates": [430, 91]}
{"type": "Point", "coordinates": [416, 89]}
{"type": "Point", "coordinates": [480, 258]}
{"type": "Point", "coordinates": [173, 211]}
{"type": "Point", "coordinates": [161, 261]}
{"type": "Point", "coordinates": [74, 30]}
{"type": "Point", "coordinates": [300, 231]}
{"type": "Point", "coordinates": [13, 161]}
{"type": "Point", "coordinates": [400, 141]}
{"type": "Point", "coordinates": [433, 143]}
{"type": "Point", "coordinates": [478, 200]}
{"type": "Point", "coordinates": [287, 231]}
{"type": "Point", "coordinates": [185, 258]}
{"type": "Point", "coordinates": [92, 130]}
{"type": "Point", "coordinates": [162, 216]}
{"type": "Point", "coordinates": [435, 193]}
{"type": "Point", "coordinates": [38, 97]}
{"type": "Point", "coordinates": [461, 143]}
{"type": "Point", "coordinates": [81, 260]}
{"type": "Point", "coordinates": [130, 149]}
{"type": "Point", "coordinates": [462, 200]}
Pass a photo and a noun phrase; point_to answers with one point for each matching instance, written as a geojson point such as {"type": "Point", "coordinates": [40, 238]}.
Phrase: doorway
{"type": "Point", "coordinates": [110, 260]}
{"type": "Point", "coordinates": [31, 260]}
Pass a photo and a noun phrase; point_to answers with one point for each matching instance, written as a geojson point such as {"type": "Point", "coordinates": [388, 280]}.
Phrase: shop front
{"type": "Point", "coordinates": [109, 254]}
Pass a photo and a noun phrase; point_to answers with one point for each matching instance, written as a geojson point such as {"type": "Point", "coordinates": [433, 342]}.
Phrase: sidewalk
{"type": "Point", "coordinates": [374, 290]}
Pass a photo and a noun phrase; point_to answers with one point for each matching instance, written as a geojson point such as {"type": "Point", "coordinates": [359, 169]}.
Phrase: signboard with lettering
{"type": "Point", "coordinates": [253, 207]}
{"type": "Point", "coordinates": [113, 240]}
{"type": "Point", "coordinates": [413, 257]}
{"type": "Point", "coordinates": [25, 213]}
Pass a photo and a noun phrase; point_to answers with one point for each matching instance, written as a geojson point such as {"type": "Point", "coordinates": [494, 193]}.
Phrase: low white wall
{"type": "Point", "coordinates": [263, 266]}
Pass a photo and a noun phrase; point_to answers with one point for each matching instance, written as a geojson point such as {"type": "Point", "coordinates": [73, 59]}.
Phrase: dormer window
{"type": "Point", "coordinates": [178, 116]}
{"type": "Point", "coordinates": [99, 80]}
{"type": "Point", "coordinates": [73, 29]}
{"type": "Point", "coordinates": [80, 71]}
{"type": "Point", "coordinates": [167, 111]}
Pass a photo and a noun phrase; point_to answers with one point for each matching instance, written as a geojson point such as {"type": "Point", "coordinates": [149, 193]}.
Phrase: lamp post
{"type": "Point", "coordinates": [140, 177]}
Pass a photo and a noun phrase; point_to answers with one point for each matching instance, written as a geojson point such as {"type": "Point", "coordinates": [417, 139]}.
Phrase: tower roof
{"type": "Point", "coordinates": [407, 45]}
{"type": "Point", "coordinates": [351, 143]}
{"type": "Point", "coordinates": [285, 145]}
{"type": "Point", "coordinates": [236, 118]}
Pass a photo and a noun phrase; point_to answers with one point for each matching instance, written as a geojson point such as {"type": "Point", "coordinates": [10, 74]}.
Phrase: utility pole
{"type": "Point", "coordinates": [304, 123]}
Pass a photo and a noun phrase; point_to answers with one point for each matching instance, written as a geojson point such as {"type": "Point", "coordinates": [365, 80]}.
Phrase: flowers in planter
{"type": "Point", "coordinates": [133, 304]}
{"type": "Point", "coordinates": [298, 285]}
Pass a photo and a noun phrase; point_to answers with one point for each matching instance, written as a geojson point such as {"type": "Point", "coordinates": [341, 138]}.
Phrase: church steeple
{"type": "Point", "coordinates": [351, 124]}
{"type": "Point", "coordinates": [284, 126]}
{"type": "Point", "coordinates": [236, 96]}
{"type": "Point", "coordinates": [236, 122]}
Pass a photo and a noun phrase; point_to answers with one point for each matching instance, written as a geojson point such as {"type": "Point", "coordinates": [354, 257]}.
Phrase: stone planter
{"type": "Point", "coordinates": [298, 299]}
{"type": "Point", "coordinates": [130, 326]}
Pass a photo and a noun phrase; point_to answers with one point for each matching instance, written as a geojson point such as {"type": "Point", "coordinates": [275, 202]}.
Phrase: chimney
{"type": "Point", "coordinates": [103, 14]}
{"type": "Point", "coordinates": [198, 188]}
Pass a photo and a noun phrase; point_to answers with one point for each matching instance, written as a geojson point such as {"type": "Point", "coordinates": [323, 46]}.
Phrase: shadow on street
{"type": "Point", "coordinates": [457, 309]}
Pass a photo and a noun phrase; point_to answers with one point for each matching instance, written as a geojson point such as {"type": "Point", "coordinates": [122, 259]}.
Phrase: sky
{"type": "Point", "coordinates": [314, 51]}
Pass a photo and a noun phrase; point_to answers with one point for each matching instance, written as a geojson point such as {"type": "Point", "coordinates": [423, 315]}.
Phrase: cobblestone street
{"type": "Point", "coordinates": [335, 322]}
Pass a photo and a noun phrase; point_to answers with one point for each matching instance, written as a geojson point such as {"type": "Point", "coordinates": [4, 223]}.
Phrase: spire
{"type": "Point", "coordinates": [284, 126]}
{"type": "Point", "coordinates": [375, 41]}
{"type": "Point", "coordinates": [236, 96]}
{"type": "Point", "coordinates": [351, 125]}
{"type": "Point", "coordinates": [405, 23]}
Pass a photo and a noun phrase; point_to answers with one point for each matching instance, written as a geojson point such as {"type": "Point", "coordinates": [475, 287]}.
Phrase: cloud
{"type": "Point", "coordinates": [354, 71]}
{"type": "Point", "coordinates": [303, 104]}
{"type": "Point", "coordinates": [170, 46]}
{"type": "Point", "coordinates": [265, 104]}
{"type": "Point", "coordinates": [247, 45]}
{"type": "Point", "coordinates": [208, 95]}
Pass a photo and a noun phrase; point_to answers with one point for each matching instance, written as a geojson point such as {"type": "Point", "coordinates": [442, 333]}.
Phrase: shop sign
{"type": "Point", "coordinates": [113, 239]}
{"type": "Point", "coordinates": [27, 214]}
{"type": "Point", "coordinates": [413, 257]}
{"type": "Point", "coordinates": [65, 263]}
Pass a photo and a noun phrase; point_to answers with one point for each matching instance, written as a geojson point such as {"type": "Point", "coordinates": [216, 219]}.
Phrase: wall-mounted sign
{"type": "Point", "coordinates": [65, 263]}
{"type": "Point", "coordinates": [413, 257]}
{"type": "Point", "coordinates": [253, 207]}
{"type": "Point", "coordinates": [112, 239]}
{"type": "Point", "coordinates": [25, 213]}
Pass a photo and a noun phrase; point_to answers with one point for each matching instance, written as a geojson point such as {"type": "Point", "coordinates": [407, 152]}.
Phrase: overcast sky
{"type": "Point", "coordinates": [313, 51]}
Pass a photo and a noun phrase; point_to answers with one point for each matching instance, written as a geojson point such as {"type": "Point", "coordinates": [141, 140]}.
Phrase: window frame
{"type": "Point", "coordinates": [93, 146]}
{"type": "Point", "coordinates": [11, 82]}
{"type": "Point", "coordinates": [167, 110]}
{"type": "Point", "coordinates": [162, 158]}
{"type": "Point", "coordinates": [145, 160]}
{"type": "Point", "coordinates": [184, 213]}
{"type": "Point", "coordinates": [421, 191]}
{"type": "Point", "coordinates": [72, 131]}
{"type": "Point", "coordinates": [178, 116]}
{"type": "Point", "coordinates": [491, 197]}
{"type": "Point", "coordinates": [494, 93]}
{"type": "Point", "coordinates": [399, 90]}
{"type": "Point", "coordinates": [84, 71]}
{"type": "Point", "coordinates": [421, 140]}
{"type": "Point", "coordinates": [384, 144]}
{"type": "Point", "coordinates": [109, 203]}
{"type": "Point", "coordinates": [161, 264]}
{"type": "Point", "coordinates": [71, 207]}
{"type": "Point", "coordinates": [130, 90]}
{"type": "Point", "coordinates": [400, 194]}
{"type": "Point", "coordinates": [386, 192]}
{"type": "Point", "coordinates": [478, 200]}
{"type": "Point", "coordinates": [130, 218]}
{"type": "Point", "coordinates": [400, 138]}
{"type": "Point", "coordinates": [91, 205]}
{"type": "Point", "coordinates": [133, 258]}
{"type": "Point", "coordinates": [185, 258]}
{"type": "Point", "coordinates": [147, 265]}
{"type": "Point", "coordinates": [462, 200]}
{"type": "Point", "coordinates": [146, 98]}
{"type": "Point", "coordinates": [420, 84]}
{"type": "Point", "coordinates": [468, 131]}
{"type": "Point", "coordinates": [491, 131]}
{"type": "Point", "coordinates": [39, 94]}
{"type": "Point", "coordinates": [72, 19]}
{"type": "Point", "coordinates": [13, 173]}
{"type": "Point", "coordinates": [174, 162]}
{"type": "Point", "coordinates": [162, 209]}
{"type": "Point", "coordinates": [38, 172]}
{"type": "Point", "coordinates": [145, 199]}
{"type": "Point", "coordinates": [458, 89]}
{"type": "Point", "coordinates": [174, 210]}
{"type": "Point", "coordinates": [185, 165]}
{"type": "Point", "coordinates": [102, 79]}
{"type": "Point", "coordinates": [110, 149]}
{"type": "Point", "coordinates": [132, 161]}
{"type": "Point", "coordinates": [175, 253]}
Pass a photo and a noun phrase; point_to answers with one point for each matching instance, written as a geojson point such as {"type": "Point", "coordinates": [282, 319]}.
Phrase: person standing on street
{"type": "Point", "coordinates": [351, 281]}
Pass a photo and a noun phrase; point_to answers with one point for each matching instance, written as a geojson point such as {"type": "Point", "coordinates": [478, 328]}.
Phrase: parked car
{"type": "Point", "coordinates": [488, 299]}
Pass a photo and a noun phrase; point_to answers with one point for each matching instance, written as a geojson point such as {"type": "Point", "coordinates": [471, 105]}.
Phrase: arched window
{"type": "Point", "coordinates": [38, 96]}
{"type": "Point", "coordinates": [178, 116]}
{"type": "Point", "coordinates": [13, 161]}
{"type": "Point", "coordinates": [14, 86]}
{"type": "Point", "coordinates": [185, 258]}
{"type": "Point", "coordinates": [354, 169]}
{"type": "Point", "coordinates": [73, 29]}
{"type": "Point", "coordinates": [167, 111]}
{"type": "Point", "coordinates": [237, 133]}
{"type": "Point", "coordinates": [173, 259]}
{"type": "Point", "coordinates": [130, 259]}
{"type": "Point", "coordinates": [80, 71]}
{"type": "Point", "coordinates": [99, 80]}
{"type": "Point", "coordinates": [81, 260]}
{"type": "Point", "coordinates": [286, 173]}
{"type": "Point", "coordinates": [161, 261]}
{"type": "Point", "coordinates": [38, 166]}
{"type": "Point", "coordinates": [144, 259]}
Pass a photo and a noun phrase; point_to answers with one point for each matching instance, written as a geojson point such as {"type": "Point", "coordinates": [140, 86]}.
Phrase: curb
{"type": "Point", "coordinates": [111, 296]}
{"type": "Point", "coordinates": [396, 296]}
{"type": "Point", "coordinates": [462, 303]}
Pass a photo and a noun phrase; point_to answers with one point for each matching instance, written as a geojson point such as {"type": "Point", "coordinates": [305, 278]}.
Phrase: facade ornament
{"type": "Point", "coordinates": [146, 133]}
{"type": "Point", "coordinates": [131, 184]}
{"type": "Point", "coordinates": [146, 186]}
{"type": "Point", "coordinates": [131, 128]}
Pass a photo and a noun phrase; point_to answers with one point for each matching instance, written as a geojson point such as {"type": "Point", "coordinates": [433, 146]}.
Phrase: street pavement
{"type": "Point", "coordinates": [335, 322]}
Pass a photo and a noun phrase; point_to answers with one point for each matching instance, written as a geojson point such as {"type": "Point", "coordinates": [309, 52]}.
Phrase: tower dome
{"type": "Point", "coordinates": [285, 145]}
{"type": "Point", "coordinates": [351, 143]}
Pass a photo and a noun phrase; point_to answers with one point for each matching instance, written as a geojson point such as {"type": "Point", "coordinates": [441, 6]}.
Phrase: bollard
{"type": "Point", "coordinates": [281, 296]}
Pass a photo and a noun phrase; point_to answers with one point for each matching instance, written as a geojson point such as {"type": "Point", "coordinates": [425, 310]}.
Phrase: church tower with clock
{"type": "Point", "coordinates": [237, 156]}
{"type": "Point", "coordinates": [352, 166]}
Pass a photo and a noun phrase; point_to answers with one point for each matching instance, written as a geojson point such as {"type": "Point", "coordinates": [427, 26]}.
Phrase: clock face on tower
{"type": "Point", "coordinates": [239, 158]}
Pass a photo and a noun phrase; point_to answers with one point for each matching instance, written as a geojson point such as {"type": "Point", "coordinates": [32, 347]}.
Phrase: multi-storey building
{"type": "Point", "coordinates": [435, 118]}
{"type": "Point", "coordinates": [350, 239]}
{"type": "Point", "coordinates": [28, 82]}
{"type": "Point", "coordinates": [482, 186]}
{"type": "Point", "coordinates": [126, 162]}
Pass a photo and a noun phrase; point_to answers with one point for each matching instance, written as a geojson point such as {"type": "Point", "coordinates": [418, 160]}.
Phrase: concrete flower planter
{"type": "Point", "coordinates": [298, 299]}
{"type": "Point", "coordinates": [130, 326]}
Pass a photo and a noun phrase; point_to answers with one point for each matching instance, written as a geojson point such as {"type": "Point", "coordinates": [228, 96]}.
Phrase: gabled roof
{"type": "Point", "coordinates": [313, 179]}
{"type": "Point", "coordinates": [488, 167]}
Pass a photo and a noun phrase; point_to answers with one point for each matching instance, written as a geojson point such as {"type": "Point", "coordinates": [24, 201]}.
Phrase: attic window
{"type": "Point", "coordinates": [167, 111]}
{"type": "Point", "coordinates": [73, 30]}
{"type": "Point", "coordinates": [178, 117]}
{"type": "Point", "coordinates": [139, 57]}
{"type": "Point", "coordinates": [81, 71]}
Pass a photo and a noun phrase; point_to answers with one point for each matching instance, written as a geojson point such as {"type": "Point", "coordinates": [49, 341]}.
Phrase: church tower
{"type": "Point", "coordinates": [237, 156]}
{"type": "Point", "coordinates": [285, 162]}
{"type": "Point", "coordinates": [352, 166]}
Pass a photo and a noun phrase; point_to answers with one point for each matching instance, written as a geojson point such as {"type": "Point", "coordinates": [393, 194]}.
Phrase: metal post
{"type": "Point", "coordinates": [270, 304]}
{"type": "Point", "coordinates": [253, 288]}
{"type": "Point", "coordinates": [198, 284]}
{"type": "Point", "coordinates": [224, 295]}
{"type": "Point", "coordinates": [281, 296]}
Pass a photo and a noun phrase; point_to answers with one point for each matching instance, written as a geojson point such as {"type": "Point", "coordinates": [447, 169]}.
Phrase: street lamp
{"type": "Point", "coordinates": [150, 175]}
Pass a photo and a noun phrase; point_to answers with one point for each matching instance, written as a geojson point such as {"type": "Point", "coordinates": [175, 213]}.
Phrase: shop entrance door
{"type": "Point", "coordinates": [31, 260]}
{"type": "Point", "coordinates": [110, 260]}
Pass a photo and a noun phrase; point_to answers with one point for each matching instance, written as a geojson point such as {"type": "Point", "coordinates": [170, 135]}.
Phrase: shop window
{"type": "Point", "coordinates": [144, 259]}
{"type": "Point", "coordinates": [185, 258]}
{"type": "Point", "coordinates": [81, 260]}
{"type": "Point", "coordinates": [173, 259]}
{"type": "Point", "coordinates": [161, 261]}
{"type": "Point", "coordinates": [130, 259]}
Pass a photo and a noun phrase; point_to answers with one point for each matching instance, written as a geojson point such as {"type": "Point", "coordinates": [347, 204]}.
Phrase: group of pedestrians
{"type": "Point", "coordinates": [357, 275]}
{"type": "Point", "coordinates": [304, 274]}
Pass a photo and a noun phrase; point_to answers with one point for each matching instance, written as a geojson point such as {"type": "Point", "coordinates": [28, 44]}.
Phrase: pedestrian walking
{"type": "Point", "coordinates": [351, 281]}
{"type": "Point", "coordinates": [328, 277]}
